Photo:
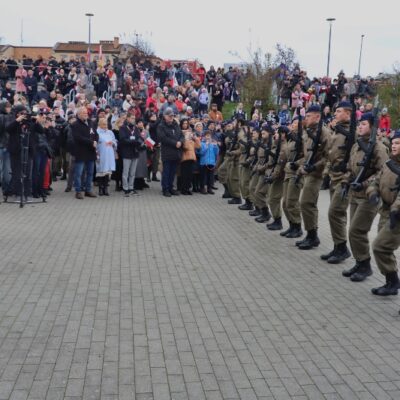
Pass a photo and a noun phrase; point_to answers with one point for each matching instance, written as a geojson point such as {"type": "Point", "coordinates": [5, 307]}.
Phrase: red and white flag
{"type": "Point", "coordinates": [149, 142]}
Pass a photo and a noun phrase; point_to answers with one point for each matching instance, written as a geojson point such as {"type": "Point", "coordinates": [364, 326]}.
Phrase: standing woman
{"type": "Point", "coordinates": [141, 168]}
{"type": "Point", "coordinates": [190, 144]}
{"type": "Point", "coordinates": [106, 149]}
{"type": "Point", "coordinates": [20, 75]}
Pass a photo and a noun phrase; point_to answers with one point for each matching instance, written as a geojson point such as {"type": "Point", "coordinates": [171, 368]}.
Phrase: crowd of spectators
{"type": "Point", "coordinates": [87, 122]}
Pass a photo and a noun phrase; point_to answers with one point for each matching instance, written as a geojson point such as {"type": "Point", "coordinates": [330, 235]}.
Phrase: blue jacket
{"type": "Point", "coordinates": [208, 153]}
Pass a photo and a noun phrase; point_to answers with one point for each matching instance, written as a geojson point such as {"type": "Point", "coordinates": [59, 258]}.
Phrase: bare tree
{"type": "Point", "coordinates": [285, 55]}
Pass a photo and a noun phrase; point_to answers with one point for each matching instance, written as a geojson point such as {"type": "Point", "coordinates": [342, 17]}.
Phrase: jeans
{"type": "Point", "coordinates": [39, 166]}
{"type": "Point", "coordinates": [168, 175]}
{"type": "Point", "coordinates": [5, 170]}
{"type": "Point", "coordinates": [89, 166]}
{"type": "Point", "coordinates": [128, 172]}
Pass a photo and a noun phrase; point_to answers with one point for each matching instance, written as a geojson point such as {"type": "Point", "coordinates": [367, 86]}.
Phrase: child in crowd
{"type": "Point", "coordinates": [208, 159]}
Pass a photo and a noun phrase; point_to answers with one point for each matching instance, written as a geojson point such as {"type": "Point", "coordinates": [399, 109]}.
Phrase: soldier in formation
{"type": "Point", "coordinates": [281, 168]}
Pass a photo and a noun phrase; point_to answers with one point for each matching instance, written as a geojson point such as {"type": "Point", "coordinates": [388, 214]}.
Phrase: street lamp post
{"type": "Point", "coordinates": [330, 20]}
{"type": "Point", "coordinates": [90, 15]}
{"type": "Point", "coordinates": [359, 60]}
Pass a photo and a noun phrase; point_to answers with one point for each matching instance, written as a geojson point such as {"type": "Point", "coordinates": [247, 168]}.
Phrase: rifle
{"type": "Point", "coordinates": [269, 178]}
{"type": "Point", "coordinates": [267, 152]}
{"type": "Point", "coordinates": [350, 137]}
{"type": "Point", "coordinates": [299, 140]}
{"type": "Point", "coordinates": [255, 156]}
{"type": "Point", "coordinates": [312, 151]}
{"type": "Point", "coordinates": [368, 149]}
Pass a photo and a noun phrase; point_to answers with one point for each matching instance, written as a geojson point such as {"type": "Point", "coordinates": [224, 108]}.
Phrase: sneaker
{"type": "Point", "coordinates": [90, 194]}
{"type": "Point", "coordinates": [167, 194]}
{"type": "Point", "coordinates": [79, 195]}
{"type": "Point", "coordinates": [134, 192]}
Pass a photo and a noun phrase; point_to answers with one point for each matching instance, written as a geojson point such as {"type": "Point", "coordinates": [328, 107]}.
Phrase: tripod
{"type": "Point", "coordinates": [25, 170]}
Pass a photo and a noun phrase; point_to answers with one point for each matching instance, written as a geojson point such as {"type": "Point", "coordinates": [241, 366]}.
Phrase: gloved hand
{"type": "Point", "coordinates": [293, 166]}
{"type": "Point", "coordinates": [132, 138]}
{"type": "Point", "coordinates": [394, 217]}
{"type": "Point", "coordinates": [374, 199]}
{"type": "Point", "coordinates": [309, 168]}
{"type": "Point", "coordinates": [268, 179]}
{"type": "Point", "coordinates": [357, 186]}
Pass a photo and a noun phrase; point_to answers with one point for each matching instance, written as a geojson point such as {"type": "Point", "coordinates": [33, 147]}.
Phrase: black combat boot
{"type": "Point", "coordinates": [340, 254]}
{"type": "Point", "coordinates": [363, 272]}
{"type": "Point", "coordinates": [255, 213]}
{"type": "Point", "coordinates": [296, 232]}
{"type": "Point", "coordinates": [326, 256]}
{"type": "Point", "coordinates": [288, 230]}
{"type": "Point", "coordinates": [390, 288]}
{"type": "Point", "coordinates": [235, 200]}
{"type": "Point", "coordinates": [299, 242]}
{"type": "Point", "coordinates": [264, 217]}
{"type": "Point", "coordinates": [312, 241]}
{"type": "Point", "coordinates": [226, 194]}
{"type": "Point", "coordinates": [247, 206]}
{"type": "Point", "coordinates": [349, 272]}
{"type": "Point", "coordinates": [276, 225]}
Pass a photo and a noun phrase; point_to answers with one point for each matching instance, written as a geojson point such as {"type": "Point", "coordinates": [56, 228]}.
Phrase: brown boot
{"type": "Point", "coordinates": [79, 195]}
{"type": "Point", "coordinates": [90, 194]}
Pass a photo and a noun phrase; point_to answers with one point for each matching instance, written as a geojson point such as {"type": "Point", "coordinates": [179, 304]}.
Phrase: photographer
{"type": "Point", "coordinates": [23, 133]}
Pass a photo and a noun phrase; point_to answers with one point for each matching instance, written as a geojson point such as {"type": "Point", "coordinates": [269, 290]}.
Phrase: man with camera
{"type": "Point", "coordinates": [23, 130]}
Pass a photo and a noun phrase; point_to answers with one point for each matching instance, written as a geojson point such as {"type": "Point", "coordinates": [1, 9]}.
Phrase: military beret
{"type": "Point", "coordinates": [396, 134]}
{"type": "Point", "coordinates": [344, 104]}
{"type": "Point", "coordinates": [283, 129]}
{"type": "Point", "coordinates": [314, 108]}
{"type": "Point", "coordinates": [296, 118]}
{"type": "Point", "coordinates": [368, 116]}
{"type": "Point", "coordinates": [268, 128]}
{"type": "Point", "coordinates": [252, 125]}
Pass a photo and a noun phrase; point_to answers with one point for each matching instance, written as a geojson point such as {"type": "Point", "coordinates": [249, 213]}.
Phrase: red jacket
{"type": "Point", "coordinates": [384, 123]}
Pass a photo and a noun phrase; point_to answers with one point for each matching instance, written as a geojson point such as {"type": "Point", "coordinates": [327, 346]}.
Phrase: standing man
{"type": "Point", "coordinates": [387, 186]}
{"type": "Point", "coordinates": [342, 140]}
{"type": "Point", "coordinates": [372, 154]}
{"type": "Point", "coordinates": [312, 167]}
{"type": "Point", "coordinates": [171, 139]}
{"type": "Point", "coordinates": [85, 144]}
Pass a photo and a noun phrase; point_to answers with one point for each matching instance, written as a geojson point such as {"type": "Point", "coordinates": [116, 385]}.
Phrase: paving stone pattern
{"type": "Point", "coordinates": [182, 298]}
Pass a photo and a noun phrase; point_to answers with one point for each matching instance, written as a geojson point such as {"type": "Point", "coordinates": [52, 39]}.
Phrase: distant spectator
{"type": "Point", "coordinates": [384, 121]}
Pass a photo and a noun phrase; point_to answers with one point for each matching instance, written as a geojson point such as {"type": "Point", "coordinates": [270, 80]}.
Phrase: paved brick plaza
{"type": "Point", "coordinates": [182, 298]}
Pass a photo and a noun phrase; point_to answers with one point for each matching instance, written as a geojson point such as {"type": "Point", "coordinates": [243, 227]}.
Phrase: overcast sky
{"type": "Point", "coordinates": [210, 29]}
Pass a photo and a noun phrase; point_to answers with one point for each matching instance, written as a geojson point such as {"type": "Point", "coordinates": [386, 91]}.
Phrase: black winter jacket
{"type": "Point", "coordinates": [130, 142]}
{"type": "Point", "coordinates": [169, 135]}
{"type": "Point", "coordinates": [84, 136]}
